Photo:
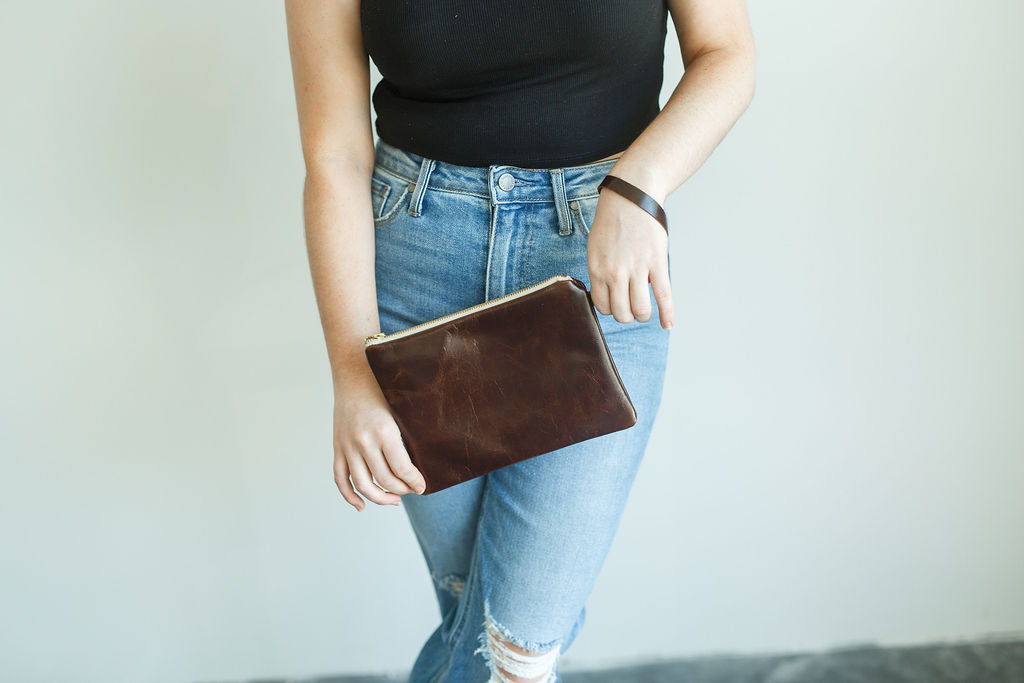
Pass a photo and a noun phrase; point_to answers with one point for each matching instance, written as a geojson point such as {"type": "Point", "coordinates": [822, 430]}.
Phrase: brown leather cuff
{"type": "Point", "coordinates": [637, 196]}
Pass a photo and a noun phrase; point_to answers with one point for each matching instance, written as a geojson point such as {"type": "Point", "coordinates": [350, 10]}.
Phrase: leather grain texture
{"type": "Point", "coordinates": [496, 386]}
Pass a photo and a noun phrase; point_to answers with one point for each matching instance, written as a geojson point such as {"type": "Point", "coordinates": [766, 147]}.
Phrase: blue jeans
{"type": "Point", "coordinates": [513, 554]}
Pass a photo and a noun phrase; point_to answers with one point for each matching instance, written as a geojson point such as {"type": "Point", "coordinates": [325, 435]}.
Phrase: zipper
{"type": "Point", "coordinates": [380, 336]}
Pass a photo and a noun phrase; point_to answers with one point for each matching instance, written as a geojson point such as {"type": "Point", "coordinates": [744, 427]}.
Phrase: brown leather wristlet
{"type": "Point", "coordinates": [637, 196]}
{"type": "Point", "coordinates": [501, 381]}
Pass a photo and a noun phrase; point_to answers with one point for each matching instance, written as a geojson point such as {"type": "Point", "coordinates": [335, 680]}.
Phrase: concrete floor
{"type": "Point", "coordinates": [993, 660]}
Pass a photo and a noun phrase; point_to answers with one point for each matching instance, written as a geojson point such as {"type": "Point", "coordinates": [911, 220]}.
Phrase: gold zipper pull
{"type": "Point", "coordinates": [374, 336]}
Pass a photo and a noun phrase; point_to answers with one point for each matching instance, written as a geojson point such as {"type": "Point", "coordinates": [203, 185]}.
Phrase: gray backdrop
{"type": "Point", "coordinates": [839, 454]}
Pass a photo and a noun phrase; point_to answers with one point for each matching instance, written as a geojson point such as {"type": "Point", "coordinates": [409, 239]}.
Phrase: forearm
{"type": "Point", "coordinates": [340, 244]}
{"type": "Point", "coordinates": [714, 91]}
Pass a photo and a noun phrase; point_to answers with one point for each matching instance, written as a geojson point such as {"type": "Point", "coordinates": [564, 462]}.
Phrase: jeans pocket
{"type": "Point", "coordinates": [389, 193]}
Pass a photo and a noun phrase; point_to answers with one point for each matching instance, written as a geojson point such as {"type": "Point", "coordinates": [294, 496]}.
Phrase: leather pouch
{"type": "Point", "coordinates": [502, 381]}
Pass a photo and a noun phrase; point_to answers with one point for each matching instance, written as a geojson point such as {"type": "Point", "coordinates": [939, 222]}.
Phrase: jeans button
{"type": "Point", "coordinates": [506, 181]}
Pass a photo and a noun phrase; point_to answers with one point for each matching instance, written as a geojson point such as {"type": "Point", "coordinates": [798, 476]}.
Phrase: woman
{"type": "Point", "coordinates": [496, 124]}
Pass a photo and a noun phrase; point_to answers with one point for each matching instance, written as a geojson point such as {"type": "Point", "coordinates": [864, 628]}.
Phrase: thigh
{"type": "Point", "coordinates": [430, 264]}
{"type": "Point", "coordinates": [445, 525]}
{"type": "Point", "coordinates": [426, 266]}
{"type": "Point", "coordinates": [548, 522]}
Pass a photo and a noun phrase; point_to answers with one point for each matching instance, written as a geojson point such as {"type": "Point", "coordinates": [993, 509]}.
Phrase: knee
{"type": "Point", "coordinates": [516, 662]}
{"type": "Point", "coordinates": [453, 583]}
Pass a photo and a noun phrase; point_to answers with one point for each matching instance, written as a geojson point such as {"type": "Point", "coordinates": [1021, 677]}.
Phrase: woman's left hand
{"type": "Point", "coordinates": [627, 248]}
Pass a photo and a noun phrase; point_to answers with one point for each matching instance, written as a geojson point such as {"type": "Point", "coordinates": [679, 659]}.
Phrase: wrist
{"type": "Point", "coordinates": [645, 177]}
{"type": "Point", "coordinates": [349, 367]}
{"type": "Point", "coordinates": [636, 195]}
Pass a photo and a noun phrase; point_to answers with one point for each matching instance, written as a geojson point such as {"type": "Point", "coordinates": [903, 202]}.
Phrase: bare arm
{"type": "Point", "coordinates": [331, 73]}
{"type": "Point", "coordinates": [717, 47]}
{"type": "Point", "coordinates": [332, 90]}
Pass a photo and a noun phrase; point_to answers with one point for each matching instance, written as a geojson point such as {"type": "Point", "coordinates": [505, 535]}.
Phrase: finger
{"type": "Point", "coordinates": [382, 473]}
{"type": "Point", "coordinates": [599, 294]}
{"type": "Point", "coordinates": [365, 484]}
{"type": "Point", "coordinates": [640, 297]}
{"type": "Point", "coordinates": [344, 485]}
{"type": "Point", "coordinates": [661, 285]}
{"type": "Point", "coordinates": [618, 290]}
{"type": "Point", "coordinates": [401, 464]}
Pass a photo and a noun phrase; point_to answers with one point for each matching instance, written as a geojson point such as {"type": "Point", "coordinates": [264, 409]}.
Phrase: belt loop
{"type": "Point", "coordinates": [420, 187]}
{"type": "Point", "coordinates": [561, 201]}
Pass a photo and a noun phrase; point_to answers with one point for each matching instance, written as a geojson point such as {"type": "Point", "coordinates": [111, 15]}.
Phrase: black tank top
{"type": "Point", "coordinates": [531, 83]}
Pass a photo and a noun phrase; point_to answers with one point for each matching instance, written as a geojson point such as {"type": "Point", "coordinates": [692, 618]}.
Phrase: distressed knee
{"type": "Point", "coordinates": [516, 662]}
{"type": "Point", "coordinates": [453, 583]}
{"type": "Point", "coordinates": [512, 664]}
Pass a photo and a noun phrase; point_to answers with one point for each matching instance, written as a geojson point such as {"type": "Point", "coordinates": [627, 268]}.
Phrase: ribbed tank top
{"type": "Point", "coordinates": [531, 83]}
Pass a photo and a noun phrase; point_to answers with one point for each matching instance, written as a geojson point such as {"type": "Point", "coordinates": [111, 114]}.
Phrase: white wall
{"type": "Point", "coordinates": [839, 454]}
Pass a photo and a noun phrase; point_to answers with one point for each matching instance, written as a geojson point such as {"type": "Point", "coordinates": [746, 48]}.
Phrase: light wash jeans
{"type": "Point", "coordinates": [513, 554]}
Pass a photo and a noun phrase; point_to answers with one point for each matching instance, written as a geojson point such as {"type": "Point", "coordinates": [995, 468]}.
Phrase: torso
{"type": "Point", "coordinates": [530, 83]}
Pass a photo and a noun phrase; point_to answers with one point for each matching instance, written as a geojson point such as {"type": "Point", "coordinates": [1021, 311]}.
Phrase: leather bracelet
{"type": "Point", "coordinates": [637, 196]}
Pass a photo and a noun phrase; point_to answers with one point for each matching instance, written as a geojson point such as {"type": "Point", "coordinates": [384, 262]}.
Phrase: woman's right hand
{"type": "Point", "coordinates": [368, 445]}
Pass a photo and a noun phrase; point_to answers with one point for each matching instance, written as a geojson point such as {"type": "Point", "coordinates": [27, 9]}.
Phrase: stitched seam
{"type": "Point", "coordinates": [393, 211]}
{"type": "Point", "coordinates": [455, 190]}
{"type": "Point", "coordinates": [578, 214]}
{"type": "Point", "coordinates": [529, 240]}
{"type": "Point", "coordinates": [382, 190]}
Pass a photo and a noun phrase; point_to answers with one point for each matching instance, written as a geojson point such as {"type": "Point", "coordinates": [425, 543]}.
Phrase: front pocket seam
{"type": "Point", "coordinates": [393, 212]}
{"type": "Point", "coordinates": [382, 191]}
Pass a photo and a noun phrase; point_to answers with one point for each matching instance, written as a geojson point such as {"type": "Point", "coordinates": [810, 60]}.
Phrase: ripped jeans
{"type": "Point", "coordinates": [513, 554]}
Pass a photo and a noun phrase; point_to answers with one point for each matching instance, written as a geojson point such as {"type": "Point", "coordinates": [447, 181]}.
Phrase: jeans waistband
{"type": "Point", "coordinates": [503, 183]}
